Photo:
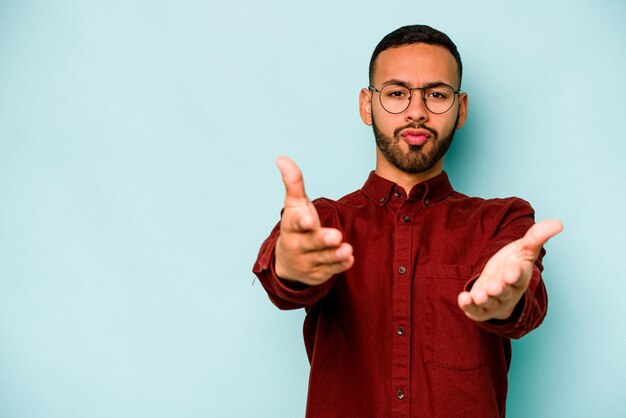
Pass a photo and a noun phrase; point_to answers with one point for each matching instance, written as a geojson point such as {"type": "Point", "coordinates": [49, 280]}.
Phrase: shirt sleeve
{"type": "Point", "coordinates": [288, 295]}
{"type": "Point", "coordinates": [516, 218]}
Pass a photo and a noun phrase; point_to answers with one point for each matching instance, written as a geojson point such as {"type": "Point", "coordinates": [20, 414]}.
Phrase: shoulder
{"type": "Point", "coordinates": [331, 212]}
{"type": "Point", "coordinates": [495, 214]}
{"type": "Point", "coordinates": [489, 204]}
{"type": "Point", "coordinates": [355, 198]}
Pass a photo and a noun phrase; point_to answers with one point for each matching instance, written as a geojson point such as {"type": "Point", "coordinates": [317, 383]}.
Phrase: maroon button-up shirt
{"type": "Point", "coordinates": [386, 338]}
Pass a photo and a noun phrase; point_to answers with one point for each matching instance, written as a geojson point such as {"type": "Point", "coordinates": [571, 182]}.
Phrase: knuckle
{"type": "Point", "coordinates": [289, 244]}
{"type": "Point", "coordinates": [319, 238]}
{"type": "Point", "coordinates": [330, 256]}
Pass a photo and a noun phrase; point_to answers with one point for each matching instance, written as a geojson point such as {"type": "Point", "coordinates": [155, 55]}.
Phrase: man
{"type": "Point", "coordinates": [412, 290]}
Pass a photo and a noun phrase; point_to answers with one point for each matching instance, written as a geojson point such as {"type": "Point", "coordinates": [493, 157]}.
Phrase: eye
{"type": "Point", "coordinates": [439, 93]}
{"type": "Point", "coordinates": [436, 94]}
{"type": "Point", "coordinates": [396, 92]}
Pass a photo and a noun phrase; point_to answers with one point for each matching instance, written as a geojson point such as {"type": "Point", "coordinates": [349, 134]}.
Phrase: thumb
{"type": "Point", "coordinates": [539, 234]}
{"type": "Point", "coordinates": [292, 178]}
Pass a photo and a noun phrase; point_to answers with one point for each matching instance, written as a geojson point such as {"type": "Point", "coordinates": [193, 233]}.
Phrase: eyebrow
{"type": "Point", "coordinates": [402, 83]}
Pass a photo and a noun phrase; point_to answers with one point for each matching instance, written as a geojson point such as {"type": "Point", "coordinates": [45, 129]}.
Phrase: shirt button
{"type": "Point", "coordinates": [400, 331]}
{"type": "Point", "coordinates": [406, 218]}
{"type": "Point", "coordinates": [426, 201]}
{"type": "Point", "coordinates": [400, 394]}
{"type": "Point", "coordinates": [401, 269]}
{"type": "Point", "coordinates": [398, 194]}
{"type": "Point", "coordinates": [381, 200]}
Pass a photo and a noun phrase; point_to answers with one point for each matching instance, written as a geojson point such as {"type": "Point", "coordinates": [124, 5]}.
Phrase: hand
{"type": "Point", "coordinates": [306, 252]}
{"type": "Point", "coordinates": [506, 275]}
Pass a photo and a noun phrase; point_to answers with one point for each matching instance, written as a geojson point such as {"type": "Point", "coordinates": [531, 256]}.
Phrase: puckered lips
{"type": "Point", "coordinates": [415, 136]}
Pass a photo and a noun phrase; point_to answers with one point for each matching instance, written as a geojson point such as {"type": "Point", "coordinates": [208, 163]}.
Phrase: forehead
{"type": "Point", "coordinates": [416, 64]}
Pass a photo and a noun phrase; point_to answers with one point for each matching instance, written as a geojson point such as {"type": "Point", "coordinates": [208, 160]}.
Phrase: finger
{"type": "Point", "coordinates": [489, 294]}
{"type": "Point", "coordinates": [464, 300]}
{"type": "Point", "coordinates": [479, 294]}
{"type": "Point", "coordinates": [348, 263]}
{"type": "Point", "coordinates": [298, 219]}
{"type": "Point", "coordinates": [292, 178]}
{"type": "Point", "coordinates": [476, 312]}
{"type": "Point", "coordinates": [513, 276]}
{"type": "Point", "coordinates": [499, 296]}
{"type": "Point", "coordinates": [495, 288]}
{"type": "Point", "coordinates": [467, 304]}
{"type": "Point", "coordinates": [335, 268]}
{"type": "Point", "coordinates": [538, 235]}
{"type": "Point", "coordinates": [332, 256]}
{"type": "Point", "coordinates": [500, 291]}
{"type": "Point", "coordinates": [321, 239]}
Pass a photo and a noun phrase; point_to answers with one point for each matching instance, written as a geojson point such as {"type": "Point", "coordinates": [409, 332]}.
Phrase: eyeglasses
{"type": "Point", "coordinates": [438, 98]}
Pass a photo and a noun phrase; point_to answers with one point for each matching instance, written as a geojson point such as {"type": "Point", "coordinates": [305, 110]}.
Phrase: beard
{"type": "Point", "coordinates": [415, 160]}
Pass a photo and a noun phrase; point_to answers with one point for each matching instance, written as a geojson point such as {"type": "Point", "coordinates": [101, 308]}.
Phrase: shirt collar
{"type": "Point", "coordinates": [380, 190]}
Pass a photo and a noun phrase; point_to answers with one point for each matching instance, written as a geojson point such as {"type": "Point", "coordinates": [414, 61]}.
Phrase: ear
{"type": "Point", "coordinates": [462, 110]}
{"type": "Point", "coordinates": [365, 106]}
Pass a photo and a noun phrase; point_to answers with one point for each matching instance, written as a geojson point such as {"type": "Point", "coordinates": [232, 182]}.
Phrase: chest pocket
{"type": "Point", "coordinates": [452, 340]}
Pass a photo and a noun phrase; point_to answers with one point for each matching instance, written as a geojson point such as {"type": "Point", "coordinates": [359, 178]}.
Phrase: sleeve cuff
{"type": "Point", "coordinates": [527, 315]}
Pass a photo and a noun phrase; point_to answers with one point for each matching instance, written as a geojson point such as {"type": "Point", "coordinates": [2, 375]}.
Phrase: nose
{"type": "Point", "coordinates": [417, 107]}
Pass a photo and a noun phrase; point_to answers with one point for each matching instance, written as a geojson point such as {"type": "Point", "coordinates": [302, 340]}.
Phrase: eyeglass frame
{"type": "Point", "coordinates": [423, 89]}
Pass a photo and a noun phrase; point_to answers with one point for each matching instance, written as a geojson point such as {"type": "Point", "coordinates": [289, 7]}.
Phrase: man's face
{"type": "Point", "coordinates": [415, 140]}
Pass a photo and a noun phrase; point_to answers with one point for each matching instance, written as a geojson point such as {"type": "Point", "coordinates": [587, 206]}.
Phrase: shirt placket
{"type": "Point", "coordinates": [402, 265]}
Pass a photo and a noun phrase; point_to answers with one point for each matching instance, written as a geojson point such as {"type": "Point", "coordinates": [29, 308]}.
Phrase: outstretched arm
{"type": "Point", "coordinates": [306, 252]}
{"type": "Point", "coordinates": [506, 275]}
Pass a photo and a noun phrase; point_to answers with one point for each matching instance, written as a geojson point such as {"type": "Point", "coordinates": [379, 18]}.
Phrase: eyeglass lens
{"type": "Point", "coordinates": [396, 99]}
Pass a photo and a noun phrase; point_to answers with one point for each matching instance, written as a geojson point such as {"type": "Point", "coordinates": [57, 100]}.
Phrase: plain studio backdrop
{"type": "Point", "coordinates": [137, 181]}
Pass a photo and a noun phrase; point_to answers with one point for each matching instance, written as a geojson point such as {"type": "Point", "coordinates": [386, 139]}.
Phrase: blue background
{"type": "Point", "coordinates": [137, 181]}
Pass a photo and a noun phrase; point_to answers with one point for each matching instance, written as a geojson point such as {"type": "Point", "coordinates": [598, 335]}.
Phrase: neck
{"type": "Point", "coordinates": [405, 179]}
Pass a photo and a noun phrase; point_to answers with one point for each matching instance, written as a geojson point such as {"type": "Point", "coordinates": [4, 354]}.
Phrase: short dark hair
{"type": "Point", "coordinates": [416, 34]}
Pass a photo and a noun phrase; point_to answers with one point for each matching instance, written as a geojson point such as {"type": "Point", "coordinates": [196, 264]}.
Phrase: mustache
{"type": "Point", "coordinates": [415, 125]}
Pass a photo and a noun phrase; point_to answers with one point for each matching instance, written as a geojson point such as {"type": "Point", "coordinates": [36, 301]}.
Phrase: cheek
{"type": "Point", "coordinates": [444, 125]}
{"type": "Point", "coordinates": [387, 123]}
